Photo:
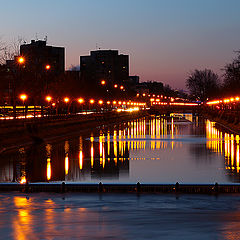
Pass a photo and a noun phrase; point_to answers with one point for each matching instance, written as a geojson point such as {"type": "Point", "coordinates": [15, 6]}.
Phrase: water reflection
{"type": "Point", "coordinates": [227, 145]}
{"type": "Point", "coordinates": [153, 149]}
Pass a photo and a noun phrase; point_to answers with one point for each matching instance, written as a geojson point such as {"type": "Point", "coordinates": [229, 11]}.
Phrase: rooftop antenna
{"type": "Point", "coordinates": [97, 47]}
{"type": "Point", "coordinates": [36, 36]}
{"type": "Point", "coordinates": [45, 39]}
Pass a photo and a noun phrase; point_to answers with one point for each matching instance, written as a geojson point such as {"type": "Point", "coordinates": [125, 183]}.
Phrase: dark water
{"type": "Point", "coordinates": [148, 150]}
{"type": "Point", "coordinates": [119, 216]}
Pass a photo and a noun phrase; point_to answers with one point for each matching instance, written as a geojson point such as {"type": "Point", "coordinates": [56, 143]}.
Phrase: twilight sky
{"type": "Point", "coordinates": [165, 39]}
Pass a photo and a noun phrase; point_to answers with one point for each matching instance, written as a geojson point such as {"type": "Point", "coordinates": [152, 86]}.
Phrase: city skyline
{"type": "Point", "coordinates": [165, 40]}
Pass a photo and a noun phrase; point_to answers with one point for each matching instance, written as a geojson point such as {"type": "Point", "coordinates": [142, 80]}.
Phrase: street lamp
{"type": "Point", "coordinates": [81, 101]}
{"type": "Point", "coordinates": [66, 99]}
{"type": "Point", "coordinates": [21, 60]}
{"type": "Point", "coordinates": [115, 85]}
{"type": "Point", "coordinates": [47, 67]}
{"type": "Point", "coordinates": [23, 97]}
{"type": "Point", "coordinates": [48, 98]}
{"type": "Point", "coordinates": [103, 82]}
{"type": "Point", "coordinates": [91, 101]}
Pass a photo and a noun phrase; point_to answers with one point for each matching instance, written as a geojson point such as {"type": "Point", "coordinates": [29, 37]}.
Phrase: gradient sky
{"type": "Point", "coordinates": [165, 39]}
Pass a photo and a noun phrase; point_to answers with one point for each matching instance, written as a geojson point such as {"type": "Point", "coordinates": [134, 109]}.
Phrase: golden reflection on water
{"type": "Point", "coordinates": [224, 144]}
{"type": "Point", "coordinates": [80, 153]}
{"type": "Point", "coordinates": [22, 222]}
{"type": "Point", "coordinates": [66, 148]}
{"type": "Point", "coordinates": [49, 170]}
{"type": "Point", "coordinates": [92, 151]}
{"type": "Point", "coordinates": [107, 153]}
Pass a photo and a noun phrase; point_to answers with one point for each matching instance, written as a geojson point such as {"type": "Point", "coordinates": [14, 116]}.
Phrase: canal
{"type": "Point", "coordinates": [156, 149]}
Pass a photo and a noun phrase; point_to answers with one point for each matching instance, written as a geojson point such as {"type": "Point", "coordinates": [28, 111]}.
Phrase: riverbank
{"type": "Point", "coordinates": [23, 132]}
{"type": "Point", "coordinates": [121, 188]}
{"type": "Point", "coordinates": [225, 121]}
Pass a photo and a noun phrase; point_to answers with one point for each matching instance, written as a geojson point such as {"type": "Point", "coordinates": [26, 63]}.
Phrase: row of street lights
{"type": "Point", "coordinates": [49, 99]}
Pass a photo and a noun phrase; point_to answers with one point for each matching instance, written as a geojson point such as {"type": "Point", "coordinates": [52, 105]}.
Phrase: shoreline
{"type": "Point", "coordinates": [231, 127]}
{"type": "Point", "coordinates": [210, 189]}
{"type": "Point", "coordinates": [34, 132]}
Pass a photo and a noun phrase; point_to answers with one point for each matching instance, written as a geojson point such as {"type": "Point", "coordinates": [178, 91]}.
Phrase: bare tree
{"type": "Point", "coordinates": [8, 51]}
{"type": "Point", "coordinates": [232, 76]}
{"type": "Point", "coordinates": [203, 84]}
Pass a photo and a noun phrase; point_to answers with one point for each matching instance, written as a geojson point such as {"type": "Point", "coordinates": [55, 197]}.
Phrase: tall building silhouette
{"type": "Point", "coordinates": [105, 65]}
{"type": "Point", "coordinates": [38, 55]}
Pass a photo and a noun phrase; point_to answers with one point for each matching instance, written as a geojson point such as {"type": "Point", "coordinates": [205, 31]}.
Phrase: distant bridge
{"type": "Point", "coordinates": [167, 108]}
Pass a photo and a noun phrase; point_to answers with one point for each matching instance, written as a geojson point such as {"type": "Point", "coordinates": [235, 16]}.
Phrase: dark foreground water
{"type": "Point", "coordinates": [148, 150]}
{"type": "Point", "coordinates": [107, 216]}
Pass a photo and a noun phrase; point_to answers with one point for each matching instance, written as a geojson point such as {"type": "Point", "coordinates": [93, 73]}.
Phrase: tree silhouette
{"type": "Point", "coordinates": [202, 84]}
{"type": "Point", "coordinates": [232, 76]}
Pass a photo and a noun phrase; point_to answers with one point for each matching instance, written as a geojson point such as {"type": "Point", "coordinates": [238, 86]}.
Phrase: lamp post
{"type": "Point", "coordinates": [66, 100]}
{"type": "Point", "coordinates": [48, 99]}
{"type": "Point", "coordinates": [91, 102]}
{"type": "Point", "coordinates": [23, 97]}
{"type": "Point", "coordinates": [19, 62]}
{"type": "Point", "coordinates": [81, 101]}
{"type": "Point", "coordinates": [47, 68]}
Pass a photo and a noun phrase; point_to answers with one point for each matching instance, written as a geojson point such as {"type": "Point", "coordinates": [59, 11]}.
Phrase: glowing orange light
{"type": "Point", "coordinates": [47, 67]}
{"type": "Point", "coordinates": [91, 101]}
{"type": "Point", "coordinates": [49, 171]}
{"type": "Point", "coordinates": [144, 94]}
{"type": "Point", "coordinates": [119, 102]}
{"type": "Point", "coordinates": [115, 85]}
{"type": "Point", "coordinates": [103, 82]}
{"type": "Point", "coordinates": [237, 98]}
{"type": "Point", "coordinates": [114, 102]}
{"type": "Point", "coordinates": [121, 87]}
{"type": "Point", "coordinates": [21, 60]}
{"type": "Point", "coordinates": [100, 102]}
{"type": "Point", "coordinates": [66, 99]}
{"type": "Point", "coordinates": [53, 104]}
{"type": "Point", "coordinates": [108, 102]}
{"type": "Point", "coordinates": [48, 98]}
{"type": "Point", "coordinates": [23, 97]}
{"type": "Point", "coordinates": [23, 180]}
{"type": "Point", "coordinates": [213, 102]}
{"type": "Point", "coordinates": [80, 100]}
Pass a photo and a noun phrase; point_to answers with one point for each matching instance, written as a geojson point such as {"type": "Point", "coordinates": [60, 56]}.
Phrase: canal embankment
{"type": "Point", "coordinates": [224, 119]}
{"type": "Point", "coordinates": [122, 188]}
{"type": "Point", "coordinates": [22, 132]}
